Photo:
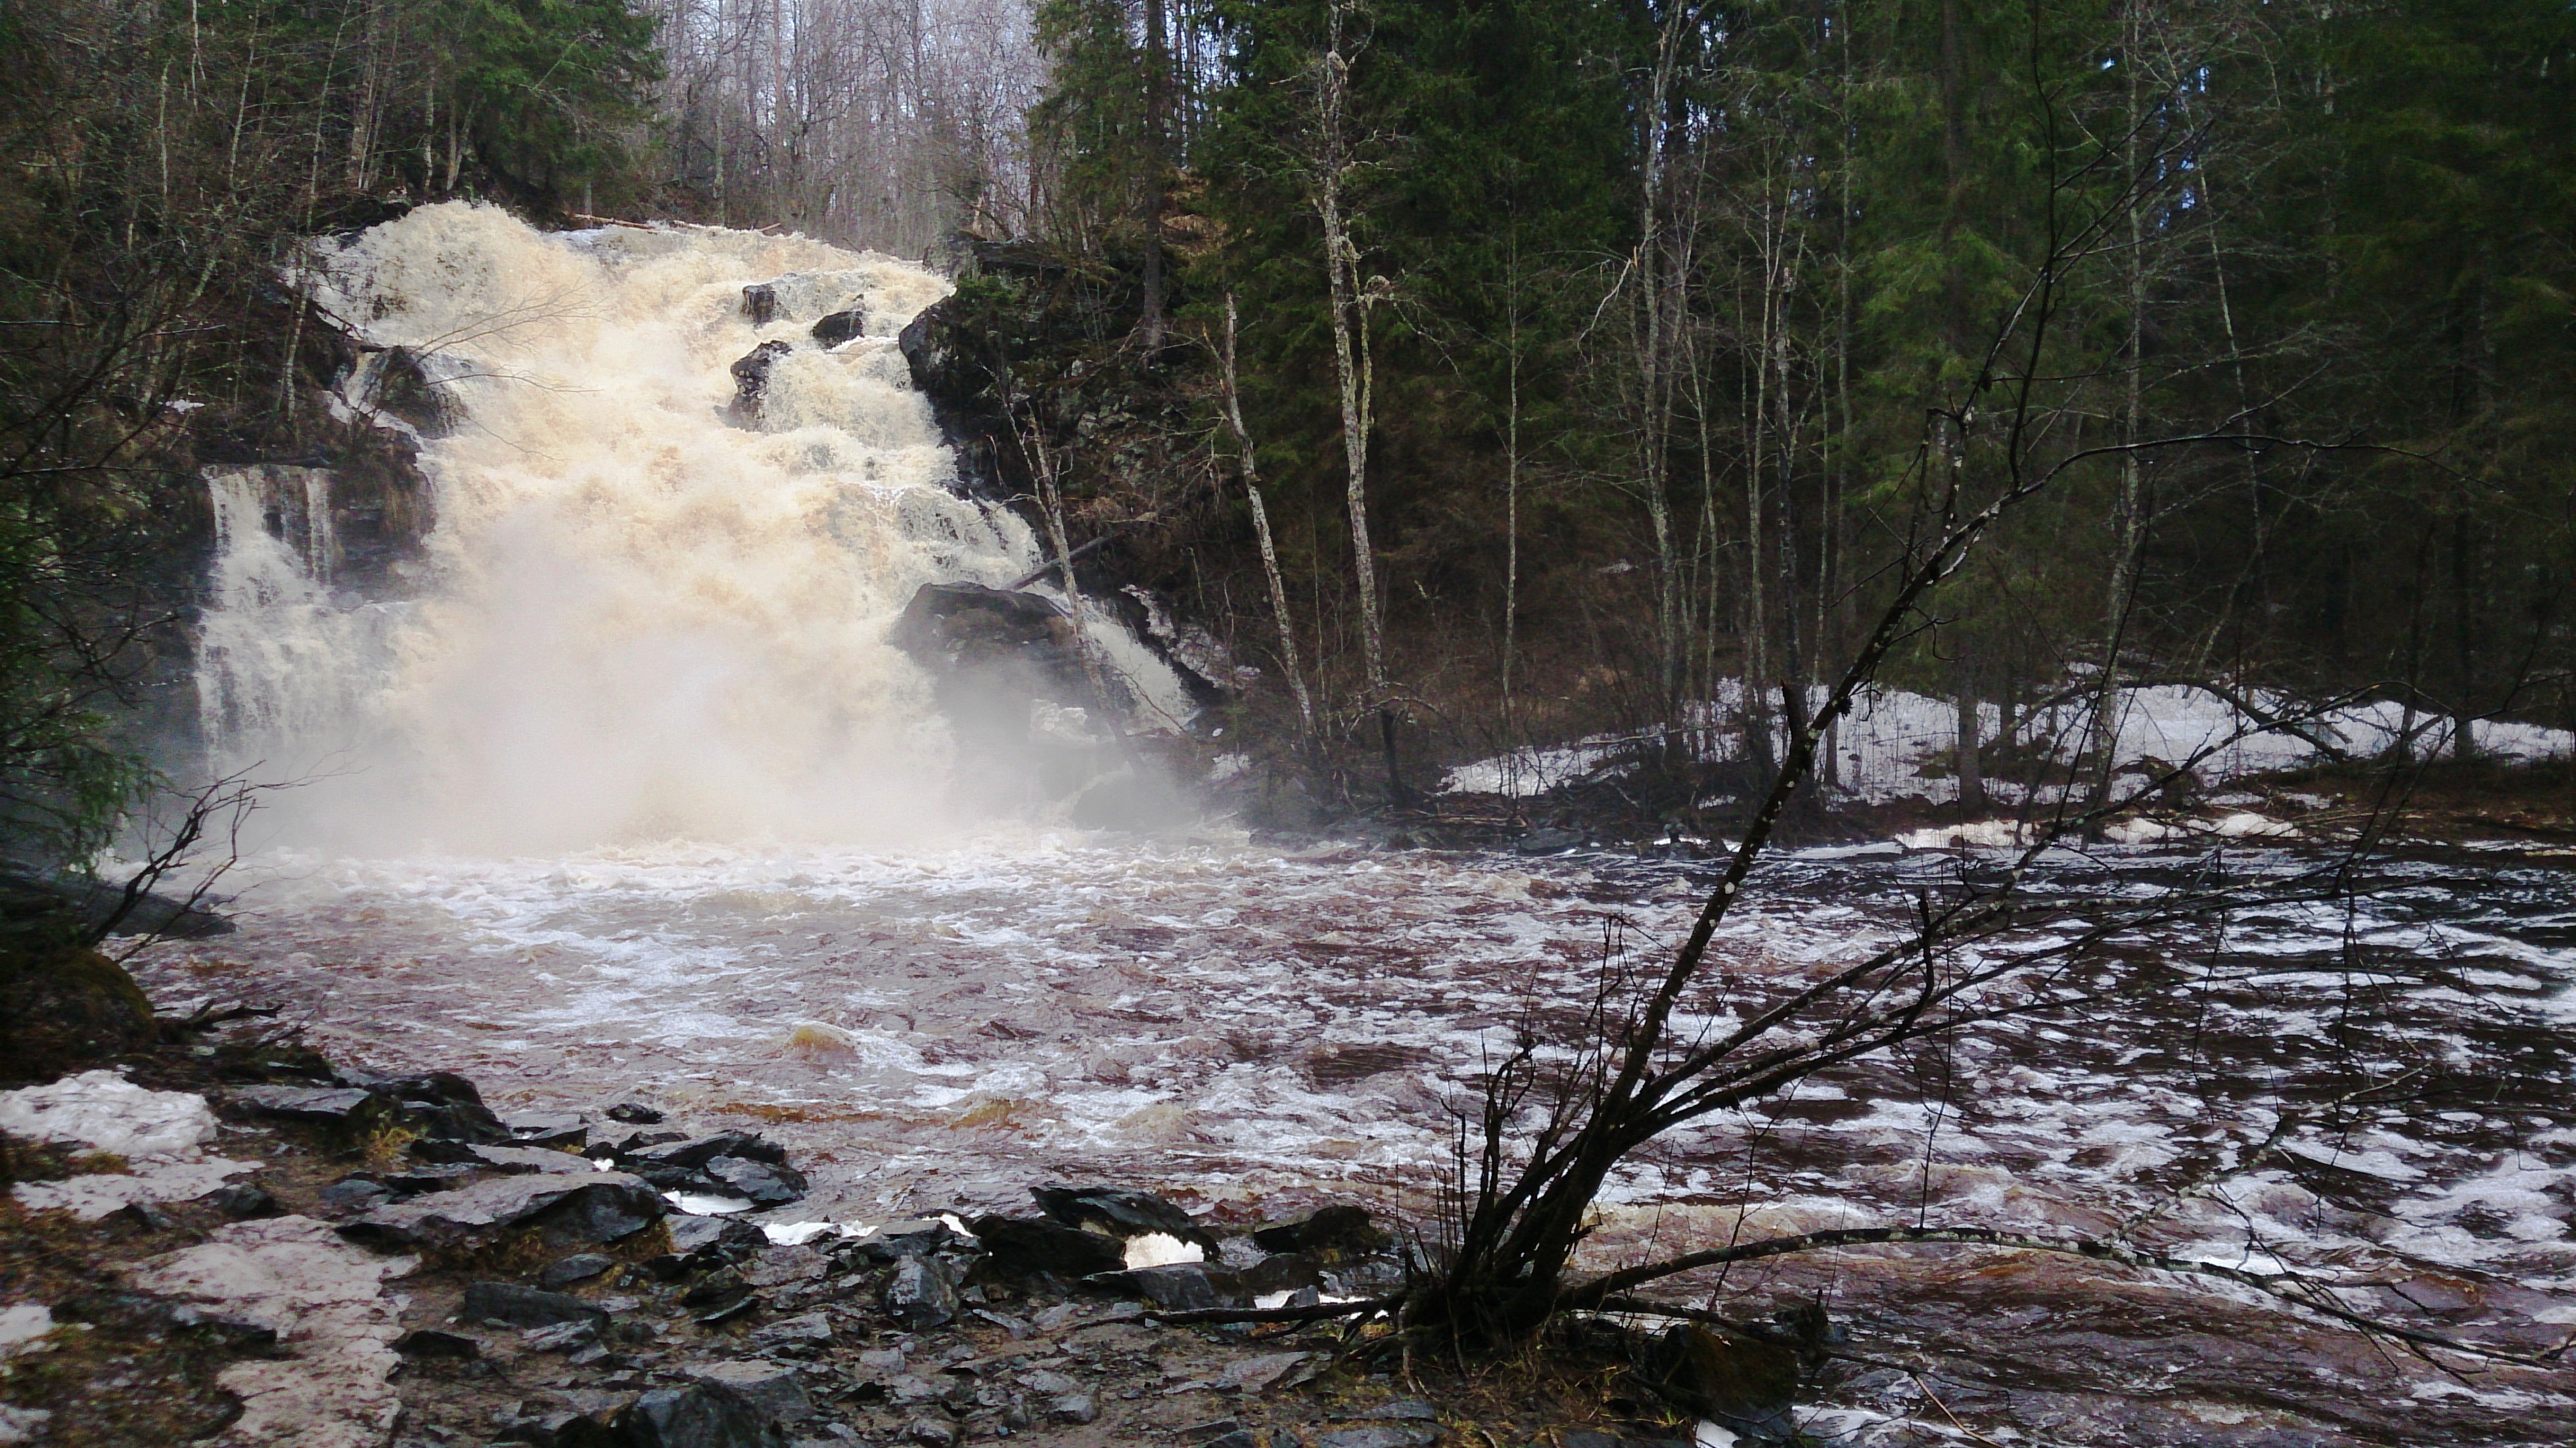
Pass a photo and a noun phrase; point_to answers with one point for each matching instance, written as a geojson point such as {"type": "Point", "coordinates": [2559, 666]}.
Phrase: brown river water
{"type": "Point", "coordinates": [1250, 1027]}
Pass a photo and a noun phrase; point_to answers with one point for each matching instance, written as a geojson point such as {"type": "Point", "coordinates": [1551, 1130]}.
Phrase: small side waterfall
{"type": "Point", "coordinates": [279, 659]}
{"type": "Point", "coordinates": [641, 614]}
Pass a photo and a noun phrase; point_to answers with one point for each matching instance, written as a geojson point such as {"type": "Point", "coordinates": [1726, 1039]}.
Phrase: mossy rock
{"type": "Point", "coordinates": [66, 1010]}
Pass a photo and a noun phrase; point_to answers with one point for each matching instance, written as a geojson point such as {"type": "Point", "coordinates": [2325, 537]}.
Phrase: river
{"type": "Point", "coordinates": [619, 792]}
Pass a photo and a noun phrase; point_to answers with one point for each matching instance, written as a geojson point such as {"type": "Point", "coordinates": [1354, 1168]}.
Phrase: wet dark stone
{"type": "Point", "coordinates": [766, 1185]}
{"type": "Point", "coordinates": [1182, 1287]}
{"type": "Point", "coordinates": [760, 303]}
{"type": "Point", "coordinates": [342, 1106]}
{"type": "Point", "coordinates": [722, 1288]}
{"type": "Point", "coordinates": [556, 1130]}
{"type": "Point", "coordinates": [840, 327]}
{"type": "Point", "coordinates": [722, 1315]}
{"type": "Point", "coordinates": [713, 1236]}
{"type": "Point", "coordinates": [748, 1145]}
{"type": "Point", "coordinates": [541, 1425]}
{"type": "Point", "coordinates": [1340, 1228]}
{"type": "Point", "coordinates": [1023, 1245]}
{"type": "Point", "coordinates": [580, 1267]}
{"type": "Point", "coordinates": [751, 380]}
{"type": "Point", "coordinates": [356, 1194]}
{"type": "Point", "coordinates": [516, 1306]}
{"type": "Point", "coordinates": [1744, 1385]}
{"type": "Point", "coordinates": [567, 1337]}
{"type": "Point", "coordinates": [1120, 1211]}
{"type": "Point", "coordinates": [922, 1295]}
{"type": "Point", "coordinates": [919, 1237]}
{"type": "Point", "coordinates": [242, 1201]}
{"type": "Point", "coordinates": [429, 1343]}
{"type": "Point", "coordinates": [70, 905]}
{"type": "Point", "coordinates": [634, 1113]}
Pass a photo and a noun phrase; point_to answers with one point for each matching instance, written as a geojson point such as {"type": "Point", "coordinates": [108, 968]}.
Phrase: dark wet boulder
{"type": "Point", "coordinates": [634, 1113]}
{"type": "Point", "coordinates": [1026, 1246]}
{"type": "Point", "coordinates": [1340, 1228]}
{"type": "Point", "coordinates": [65, 1010]}
{"type": "Point", "coordinates": [511, 1305]}
{"type": "Point", "coordinates": [431, 1344]}
{"type": "Point", "coordinates": [579, 1267]}
{"type": "Point", "coordinates": [437, 1104]}
{"type": "Point", "coordinates": [398, 385]}
{"type": "Point", "coordinates": [697, 1152]}
{"type": "Point", "coordinates": [715, 1236]}
{"type": "Point", "coordinates": [706, 1414]}
{"type": "Point", "coordinates": [923, 1293]}
{"type": "Point", "coordinates": [242, 1201]}
{"type": "Point", "coordinates": [965, 635]}
{"type": "Point", "coordinates": [75, 909]}
{"type": "Point", "coordinates": [1119, 1211]}
{"type": "Point", "coordinates": [556, 1130]}
{"type": "Point", "coordinates": [751, 381]}
{"type": "Point", "coordinates": [760, 303]}
{"type": "Point", "coordinates": [917, 1237]}
{"type": "Point", "coordinates": [761, 1183]}
{"type": "Point", "coordinates": [571, 1210]}
{"type": "Point", "coordinates": [344, 1107]}
{"type": "Point", "coordinates": [840, 327]}
{"type": "Point", "coordinates": [1181, 1287]}
{"type": "Point", "coordinates": [770, 1387]}
{"type": "Point", "coordinates": [1743, 1384]}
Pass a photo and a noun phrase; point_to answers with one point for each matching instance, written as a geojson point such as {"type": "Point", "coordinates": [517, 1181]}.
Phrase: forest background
{"type": "Point", "coordinates": [1593, 360]}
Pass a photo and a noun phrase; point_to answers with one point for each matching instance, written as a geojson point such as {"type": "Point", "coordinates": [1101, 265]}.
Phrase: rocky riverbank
{"type": "Point", "coordinates": [228, 1238]}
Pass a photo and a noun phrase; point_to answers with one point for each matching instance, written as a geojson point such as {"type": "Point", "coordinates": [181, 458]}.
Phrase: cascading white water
{"type": "Point", "coordinates": [640, 620]}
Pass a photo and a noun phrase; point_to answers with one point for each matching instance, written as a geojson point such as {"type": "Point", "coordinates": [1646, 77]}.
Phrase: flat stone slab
{"type": "Point", "coordinates": [335, 1329]}
{"type": "Point", "coordinates": [590, 1207]}
{"type": "Point", "coordinates": [105, 1112]}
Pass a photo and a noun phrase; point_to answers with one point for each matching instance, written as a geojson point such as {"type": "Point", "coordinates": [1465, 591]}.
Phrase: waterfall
{"type": "Point", "coordinates": [637, 616]}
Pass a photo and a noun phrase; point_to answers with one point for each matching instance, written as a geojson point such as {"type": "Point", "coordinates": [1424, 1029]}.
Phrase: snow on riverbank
{"type": "Point", "coordinates": [1891, 734]}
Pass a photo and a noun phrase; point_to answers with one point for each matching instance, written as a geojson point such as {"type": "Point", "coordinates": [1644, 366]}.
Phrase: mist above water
{"type": "Point", "coordinates": [634, 619]}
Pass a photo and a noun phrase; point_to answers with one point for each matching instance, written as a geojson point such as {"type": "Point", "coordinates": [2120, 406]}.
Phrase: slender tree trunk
{"type": "Point", "coordinates": [1261, 531]}
{"type": "Point", "coordinates": [1352, 363]}
{"type": "Point", "coordinates": [2129, 517]}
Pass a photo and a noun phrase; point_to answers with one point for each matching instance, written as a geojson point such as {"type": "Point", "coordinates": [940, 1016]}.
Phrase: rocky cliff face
{"type": "Point", "coordinates": [1034, 357]}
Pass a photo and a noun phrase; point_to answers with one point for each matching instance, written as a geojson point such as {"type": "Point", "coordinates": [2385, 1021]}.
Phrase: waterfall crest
{"type": "Point", "coordinates": [637, 617]}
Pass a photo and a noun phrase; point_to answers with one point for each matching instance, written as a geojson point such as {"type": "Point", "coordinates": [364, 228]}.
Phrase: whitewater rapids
{"type": "Point", "coordinates": [635, 618]}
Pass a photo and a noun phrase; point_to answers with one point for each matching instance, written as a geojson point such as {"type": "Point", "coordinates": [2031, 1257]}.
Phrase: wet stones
{"type": "Point", "coordinates": [428, 1344]}
{"type": "Point", "coordinates": [739, 1164]}
{"type": "Point", "coordinates": [1184, 1287]}
{"type": "Point", "coordinates": [1340, 1228]}
{"type": "Point", "coordinates": [840, 327]}
{"type": "Point", "coordinates": [769, 1387]}
{"type": "Point", "coordinates": [635, 1113]}
{"type": "Point", "coordinates": [1119, 1212]}
{"type": "Point", "coordinates": [923, 1294]}
{"type": "Point", "coordinates": [511, 1305]}
{"type": "Point", "coordinates": [1744, 1385]}
{"type": "Point", "coordinates": [705, 1414]}
{"type": "Point", "coordinates": [580, 1267]}
{"type": "Point", "coordinates": [760, 304]}
{"type": "Point", "coordinates": [751, 382]}
{"type": "Point", "coordinates": [764, 1184]}
{"type": "Point", "coordinates": [1025, 1248]}
{"type": "Point", "coordinates": [592, 1208]}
